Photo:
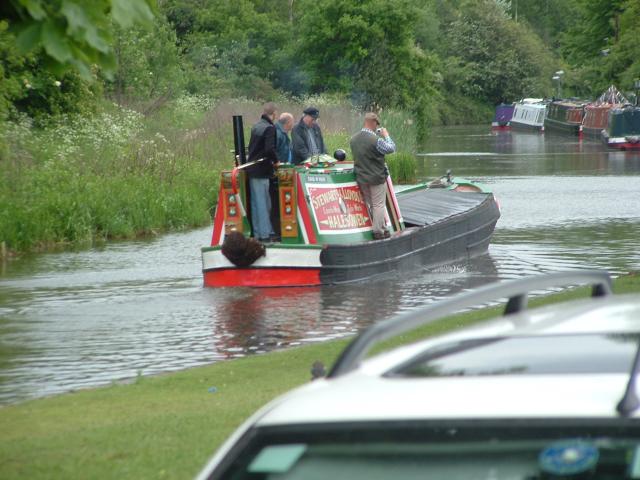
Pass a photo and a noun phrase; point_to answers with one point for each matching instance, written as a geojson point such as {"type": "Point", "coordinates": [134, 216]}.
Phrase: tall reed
{"type": "Point", "coordinates": [119, 174]}
{"type": "Point", "coordinates": [402, 167]}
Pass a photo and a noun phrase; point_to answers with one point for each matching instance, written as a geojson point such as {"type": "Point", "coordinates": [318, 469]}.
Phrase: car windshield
{"type": "Point", "coordinates": [555, 354]}
{"type": "Point", "coordinates": [453, 453]}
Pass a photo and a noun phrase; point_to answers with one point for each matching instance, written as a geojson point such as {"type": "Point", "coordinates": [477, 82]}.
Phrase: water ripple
{"type": "Point", "coordinates": [73, 320]}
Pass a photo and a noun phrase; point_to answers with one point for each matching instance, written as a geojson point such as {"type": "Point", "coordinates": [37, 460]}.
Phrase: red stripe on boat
{"type": "Point", "coordinates": [625, 146]}
{"type": "Point", "coordinates": [262, 277]}
{"type": "Point", "coordinates": [234, 180]}
{"type": "Point", "coordinates": [394, 200]}
{"type": "Point", "coordinates": [304, 212]}
{"type": "Point", "coordinates": [218, 220]}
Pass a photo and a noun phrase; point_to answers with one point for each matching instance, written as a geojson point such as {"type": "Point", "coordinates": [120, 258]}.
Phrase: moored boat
{"type": "Point", "coordinates": [623, 129]}
{"type": "Point", "coordinates": [564, 116]}
{"type": "Point", "coordinates": [326, 234]}
{"type": "Point", "coordinates": [596, 114]}
{"type": "Point", "coordinates": [502, 117]}
{"type": "Point", "coordinates": [529, 114]}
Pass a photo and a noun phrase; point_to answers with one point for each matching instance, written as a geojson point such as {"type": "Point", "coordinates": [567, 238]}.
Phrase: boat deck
{"type": "Point", "coordinates": [425, 207]}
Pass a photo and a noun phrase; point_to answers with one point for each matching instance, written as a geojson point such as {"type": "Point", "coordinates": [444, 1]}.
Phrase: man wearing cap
{"type": "Point", "coordinates": [369, 146]}
{"type": "Point", "coordinates": [306, 137]}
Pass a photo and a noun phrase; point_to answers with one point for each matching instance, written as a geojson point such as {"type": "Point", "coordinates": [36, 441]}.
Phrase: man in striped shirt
{"type": "Point", "coordinates": [369, 146]}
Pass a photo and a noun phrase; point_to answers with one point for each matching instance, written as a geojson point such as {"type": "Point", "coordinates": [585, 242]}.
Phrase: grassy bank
{"type": "Point", "coordinates": [167, 426]}
{"type": "Point", "coordinates": [121, 174]}
{"type": "Point", "coordinates": [115, 174]}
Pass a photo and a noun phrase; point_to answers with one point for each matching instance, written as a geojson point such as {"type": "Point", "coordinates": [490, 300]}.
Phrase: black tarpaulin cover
{"type": "Point", "coordinates": [432, 205]}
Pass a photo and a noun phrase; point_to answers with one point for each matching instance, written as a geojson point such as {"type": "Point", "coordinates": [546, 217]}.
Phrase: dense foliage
{"type": "Point", "coordinates": [413, 55]}
{"type": "Point", "coordinates": [73, 33]}
{"type": "Point", "coordinates": [481, 66]}
{"type": "Point", "coordinates": [602, 44]}
{"type": "Point", "coordinates": [74, 71]}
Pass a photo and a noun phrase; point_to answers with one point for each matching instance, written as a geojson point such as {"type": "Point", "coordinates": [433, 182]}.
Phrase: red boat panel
{"type": "Point", "coordinates": [624, 145]}
{"type": "Point", "coordinates": [218, 219]}
{"type": "Point", "coordinates": [304, 213]}
{"type": "Point", "coordinates": [262, 277]}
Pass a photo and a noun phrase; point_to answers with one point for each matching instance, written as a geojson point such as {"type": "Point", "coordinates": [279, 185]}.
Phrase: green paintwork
{"type": "Point", "coordinates": [325, 174]}
{"type": "Point", "coordinates": [464, 181]}
{"type": "Point", "coordinates": [329, 175]}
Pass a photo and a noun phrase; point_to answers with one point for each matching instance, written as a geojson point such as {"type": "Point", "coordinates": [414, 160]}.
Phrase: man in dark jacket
{"type": "Point", "coordinates": [369, 146]}
{"type": "Point", "coordinates": [306, 136]}
{"type": "Point", "coordinates": [262, 146]}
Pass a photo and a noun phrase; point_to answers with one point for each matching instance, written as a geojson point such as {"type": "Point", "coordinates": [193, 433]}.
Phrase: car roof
{"type": "Point", "coordinates": [364, 398]}
{"type": "Point", "coordinates": [367, 394]}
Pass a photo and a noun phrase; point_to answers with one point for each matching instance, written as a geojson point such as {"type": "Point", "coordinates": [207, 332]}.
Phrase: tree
{"type": "Point", "coordinates": [149, 64]}
{"type": "Point", "coordinates": [548, 18]}
{"type": "Point", "coordinates": [73, 33]}
{"type": "Point", "coordinates": [367, 49]}
{"type": "Point", "coordinates": [234, 46]}
{"type": "Point", "coordinates": [625, 58]}
{"type": "Point", "coordinates": [26, 87]}
{"type": "Point", "coordinates": [602, 46]}
{"type": "Point", "coordinates": [493, 59]}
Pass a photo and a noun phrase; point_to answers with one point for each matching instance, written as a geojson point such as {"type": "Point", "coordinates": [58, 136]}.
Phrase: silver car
{"type": "Point", "coordinates": [546, 393]}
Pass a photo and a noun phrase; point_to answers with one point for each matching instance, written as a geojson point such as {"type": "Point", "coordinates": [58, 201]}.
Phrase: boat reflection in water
{"type": "Point", "coordinates": [247, 320]}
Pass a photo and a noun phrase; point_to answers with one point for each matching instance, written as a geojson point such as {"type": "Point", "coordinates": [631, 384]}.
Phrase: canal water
{"type": "Point", "coordinates": [84, 318]}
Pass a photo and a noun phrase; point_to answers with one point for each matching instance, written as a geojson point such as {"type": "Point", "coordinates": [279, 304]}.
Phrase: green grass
{"type": "Point", "coordinates": [167, 426]}
{"type": "Point", "coordinates": [116, 174]}
{"type": "Point", "coordinates": [402, 167]}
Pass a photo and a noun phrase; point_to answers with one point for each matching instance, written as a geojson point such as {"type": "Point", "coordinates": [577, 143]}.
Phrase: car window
{"type": "Point", "coordinates": [544, 354]}
{"type": "Point", "coordinates": [400, 454]}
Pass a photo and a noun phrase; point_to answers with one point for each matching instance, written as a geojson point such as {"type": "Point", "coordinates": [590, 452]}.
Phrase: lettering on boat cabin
{"type": "Point", "coordinates": [317, 178]}
{"type": "Point", "coordinates": [338, 208]}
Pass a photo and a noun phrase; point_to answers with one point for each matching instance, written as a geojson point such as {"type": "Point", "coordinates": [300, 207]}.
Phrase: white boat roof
{"type": "Point", "coordinates": [530, 106]}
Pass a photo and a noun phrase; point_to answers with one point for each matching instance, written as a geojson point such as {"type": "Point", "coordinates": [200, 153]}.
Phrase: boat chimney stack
{"type": "Point", "coordinates": [238, 140]}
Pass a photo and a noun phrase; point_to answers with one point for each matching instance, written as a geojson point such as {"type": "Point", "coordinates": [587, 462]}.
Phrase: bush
{"type": "Point", "coordinates": [113, 175]}
{"type": "Point", "coordinates": [402, 167]}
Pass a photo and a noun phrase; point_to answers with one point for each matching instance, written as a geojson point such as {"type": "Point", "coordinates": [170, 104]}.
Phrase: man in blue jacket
{"type": "Point", "coordinates": [283, 144]}
{"type": "Point", "coordinates": [262, 148]}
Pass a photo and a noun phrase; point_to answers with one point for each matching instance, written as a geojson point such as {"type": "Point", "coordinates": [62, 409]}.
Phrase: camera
{"type": "Point", "coordinates": [379, 129]}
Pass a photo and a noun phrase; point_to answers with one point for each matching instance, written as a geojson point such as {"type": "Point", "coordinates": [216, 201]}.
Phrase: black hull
{"type": "Point", "coordinates": [455, 236]}
{"type": "Point", "coordinates": [525, 127]}
{"type": "Point", "coordinates": [556, 126]}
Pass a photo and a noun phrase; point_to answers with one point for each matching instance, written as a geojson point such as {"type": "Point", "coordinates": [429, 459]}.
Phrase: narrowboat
{"type": "Point", "coordinates": [502, 117]}
{"type": "Point", "coordinates": [623, 129]}
{"type": "Point", "coordinates": [596, 114]}
{"type": "Point", "coordinates": [529, 114]}
{"type": "Point", "coordinates": [564, 116]}
{"type": "Point", "coordinates": [325, 229]}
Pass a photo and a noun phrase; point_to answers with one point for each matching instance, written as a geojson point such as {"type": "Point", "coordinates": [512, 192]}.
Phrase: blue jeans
{"type": "Point", "coordinates": [260, 208]}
